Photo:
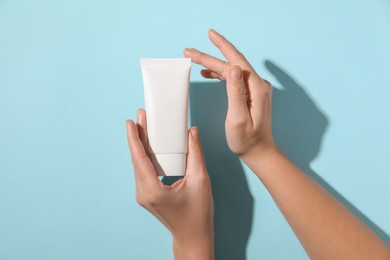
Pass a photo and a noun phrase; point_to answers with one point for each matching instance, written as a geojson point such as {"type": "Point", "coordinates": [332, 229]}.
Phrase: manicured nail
{"type": "Point", "coordinates": [235, 73]}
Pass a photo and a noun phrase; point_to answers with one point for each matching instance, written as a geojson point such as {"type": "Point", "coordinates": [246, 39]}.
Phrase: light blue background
{"type": "Point", "coordinates": [70, 76]}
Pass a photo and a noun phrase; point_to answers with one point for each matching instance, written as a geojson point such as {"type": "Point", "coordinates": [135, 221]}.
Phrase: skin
{"type": "Point", "coordinates": [325, 228]}
{"type": "Point", "coordinates": [186, 208]}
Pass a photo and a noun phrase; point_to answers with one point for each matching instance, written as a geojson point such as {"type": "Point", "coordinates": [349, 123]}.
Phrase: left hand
{"type": "Point", "coordinates": [186, 207]}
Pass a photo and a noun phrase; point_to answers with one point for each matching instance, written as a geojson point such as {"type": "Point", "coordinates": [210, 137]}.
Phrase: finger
{"type": "Point", "coordinates": [236, 92]}
{"type": "Point", "coordinates": [211, 75]}
{"type": "Point", "coordinates": [227, 49]}
{"type": "Point", "coordinates": [195, 161]}
{"type": "Point", "coordinates": [143, 168]}
{"type": "Point", "coordinates": [234, 56]}
{"type": "Point", "coordinates": [207, 61]}
{"type": "Point", "coordinates": [142, 128]}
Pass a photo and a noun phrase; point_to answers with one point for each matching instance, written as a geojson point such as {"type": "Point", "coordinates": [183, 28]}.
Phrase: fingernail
{"type": "Point", "coordinates": [128, 127]}
{"type": "Point", "coordinates": [138, 115]}
{"type": "Point", "coordinates": [235, 73]}
{"type": "Point", "coordinates": [213, 31]}
{"type": "Point", "coordinates": [195, 132]}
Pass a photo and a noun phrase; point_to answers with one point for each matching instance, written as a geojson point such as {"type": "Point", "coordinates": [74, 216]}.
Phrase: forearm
{"type": "Point", "coordinates": [326, 229]}
{"type": "Point", "coordinates": [194, 249]}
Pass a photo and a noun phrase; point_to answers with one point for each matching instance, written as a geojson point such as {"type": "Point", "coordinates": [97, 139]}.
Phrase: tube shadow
{"type": "Point", "coordinates": [233, 202]}
{"type": "Point", "coordinates": [298, 127]}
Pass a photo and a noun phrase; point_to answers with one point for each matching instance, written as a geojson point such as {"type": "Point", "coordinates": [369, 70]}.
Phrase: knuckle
{"type": "Point", "coordinates": [240, 55]}
{"type": "Point", "coordinates": [138, 160]}
{"type": "Point", "coordinates": [142, 157]}
{"type": "Point", "coordinates": [199, 56]}
{"type": "Point", "coordinates": [267, 88]}
{"type": "Point", "coordinates": [238, 123]}
{"type": "Point", "coordinates": [153, 199]}
{"type": "Point", "coordinates": [140, 200]}
{"type": "Point", "coordinates": [148, 199]}
{"type": "Point", "coordinates": [204, 179]}
{"type": "Point", "coordinates": [235, 67]}
{"type": "Point", "coordinates": [237, 90]}
{"type": "Point", "coordinates": [136, 163]}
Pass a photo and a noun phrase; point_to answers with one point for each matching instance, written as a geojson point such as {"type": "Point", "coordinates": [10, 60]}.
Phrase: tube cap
{"type": "Point", "coordinates": [169, 164]}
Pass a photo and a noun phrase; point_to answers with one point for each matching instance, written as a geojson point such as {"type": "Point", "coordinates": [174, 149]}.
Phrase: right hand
{"type": "Point", "coordinates": [248, 121]}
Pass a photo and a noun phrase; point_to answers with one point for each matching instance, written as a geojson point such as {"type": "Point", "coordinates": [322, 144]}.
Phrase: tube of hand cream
{"type": "Point", "coordinates": [166, 86]}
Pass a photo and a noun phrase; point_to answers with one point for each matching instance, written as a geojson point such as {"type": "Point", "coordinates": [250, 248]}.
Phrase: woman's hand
{"type": "Point", "coordinates": [248, 120]}
{"type": "Point", "coordinates": [326, 229]}
{"type": "Point", "coordinates": [186, 207]}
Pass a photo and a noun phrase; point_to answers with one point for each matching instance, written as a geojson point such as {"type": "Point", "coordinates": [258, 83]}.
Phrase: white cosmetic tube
{"type": "Point", "coordinates": [166, 87]}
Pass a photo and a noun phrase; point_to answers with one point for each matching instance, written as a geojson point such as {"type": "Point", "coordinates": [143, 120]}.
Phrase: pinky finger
{"type": "Point", "coordinates": [209, 74]}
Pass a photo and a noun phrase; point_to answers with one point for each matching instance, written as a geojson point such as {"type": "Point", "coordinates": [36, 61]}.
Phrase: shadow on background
{"type": "Point", "coordinates": [298, 127]}
{"type": "Point", "coordinates": [233, 202]}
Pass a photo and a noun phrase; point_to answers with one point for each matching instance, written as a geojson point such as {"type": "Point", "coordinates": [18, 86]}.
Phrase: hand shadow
{"type": "Point", "coordinates": [298, 127]}
{"type": "Point", "coordinates": [233, 203]}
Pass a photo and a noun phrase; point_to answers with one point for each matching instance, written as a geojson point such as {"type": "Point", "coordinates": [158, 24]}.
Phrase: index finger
{"type": "Point", "coordinates": [207, 61]}
{"type": "Point", "coordinates": [228, 50]}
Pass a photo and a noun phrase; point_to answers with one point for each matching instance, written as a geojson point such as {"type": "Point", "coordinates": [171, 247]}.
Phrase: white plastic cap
{"type": "Point", "coordinates": [169, 164]}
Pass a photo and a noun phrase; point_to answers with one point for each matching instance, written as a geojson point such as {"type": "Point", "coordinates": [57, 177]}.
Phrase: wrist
{"type": "Point", "coordinates": [260, 158]}
{"type": "Point", "coordinates": [193, 247]}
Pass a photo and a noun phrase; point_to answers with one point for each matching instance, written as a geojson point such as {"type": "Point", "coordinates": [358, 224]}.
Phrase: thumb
{"type": "Point", "coordinates": [195, 158]}
{"type": "Point", "coordinates": [236, 90]}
